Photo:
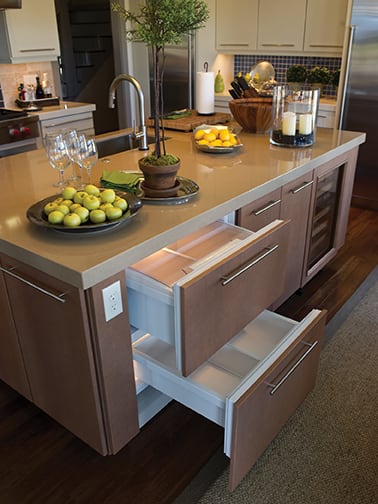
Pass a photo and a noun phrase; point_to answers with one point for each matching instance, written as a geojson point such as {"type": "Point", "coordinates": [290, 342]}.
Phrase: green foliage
{"type": "Point", "coordinates": [158, 23]}
{"type": "Point", "coordinates": [296, 73]}
{"type": "Point", "coordinates": [162, 160]}
{"type": "Point", "coordinates": [335, 77]}
{"type": "Point", "coordinates": [161, 22]}
{"type": "Point", "coordinates": [319, 74]}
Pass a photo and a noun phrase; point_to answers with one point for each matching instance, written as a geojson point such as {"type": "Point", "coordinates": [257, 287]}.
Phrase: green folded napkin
{"type": "Point", "coordinates": [123, 181]}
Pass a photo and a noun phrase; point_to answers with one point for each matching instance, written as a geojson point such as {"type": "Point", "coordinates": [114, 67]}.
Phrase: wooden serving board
{"type": "Point", "coordinates": [189, 123]}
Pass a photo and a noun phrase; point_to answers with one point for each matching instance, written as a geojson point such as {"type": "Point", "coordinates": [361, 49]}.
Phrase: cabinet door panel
{"type": "Point", "coordinates": [236, 25]}
{"type": "Point", "coordinates": [12, 369]}
{"type": "Point", "coordinates": [57, 351]}
{"type": "Point", "coordinates": [211, 313]}
{"type": "Point", "coordinates": [283, 31]}
{"type": "Point", "coordinates": [295, 207]}
{"type": "Point", "coordinates": [325, 26]}
{"type": "Point", "coordinates": [259, 415]}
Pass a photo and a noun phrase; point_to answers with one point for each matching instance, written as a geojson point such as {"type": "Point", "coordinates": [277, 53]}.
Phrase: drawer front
{"type": "Point", "coordinates": [262, 410]}
{"type": "Point", "coordinates": [261, 212]}
{"type": "Point", "coordinates": [215, 305]}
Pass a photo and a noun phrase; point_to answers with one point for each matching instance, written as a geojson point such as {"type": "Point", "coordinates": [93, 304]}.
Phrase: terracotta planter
{"type": "Point", "coordinates": [159, 180]}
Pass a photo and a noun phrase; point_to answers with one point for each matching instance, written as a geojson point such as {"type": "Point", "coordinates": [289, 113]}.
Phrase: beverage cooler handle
{"type": "Point", "coordinates": [59, 297]}
{"type": "Point", "coordinates": [276, 386]}
{"type": "Point", "coordinates": [229, 278]}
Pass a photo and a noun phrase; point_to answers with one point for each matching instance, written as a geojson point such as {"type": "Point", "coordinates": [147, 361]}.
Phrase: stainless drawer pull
{"type": "Point", "coordinates": [59, 297]}
{"type": "Point", "coordinates": [303, 186]}
{"type": "Point", "coordinates": [276, 386]}
{"type": "Point", "coordinates": [267, 251]}
{"type": "Point", "coordinates": [271, 204]}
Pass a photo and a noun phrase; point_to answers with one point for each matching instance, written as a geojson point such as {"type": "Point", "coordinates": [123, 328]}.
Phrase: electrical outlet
{"type": "Point", "coordinates": [112, 298]}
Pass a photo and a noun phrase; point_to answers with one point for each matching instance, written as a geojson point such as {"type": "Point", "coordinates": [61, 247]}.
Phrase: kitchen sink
{"type": "Point", "coordinates": [114, 144]}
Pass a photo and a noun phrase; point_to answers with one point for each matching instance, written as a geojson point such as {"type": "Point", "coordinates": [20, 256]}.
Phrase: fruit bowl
{"type": "Point", "coordinates": [253, 114]}
{"type": "Point", "coordinates": [37, 216]}
{"type": "Point", "coordinates": [216, 139]}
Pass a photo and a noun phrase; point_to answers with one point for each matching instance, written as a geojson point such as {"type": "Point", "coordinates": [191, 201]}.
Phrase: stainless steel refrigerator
{"type": "Point", "coordinates": [359, 102]}
{"type": "Point", "coordinates": [178, 76]}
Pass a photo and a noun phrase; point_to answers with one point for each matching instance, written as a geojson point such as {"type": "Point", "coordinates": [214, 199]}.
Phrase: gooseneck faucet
{"type": "Point", "coordinates": [142, 133]}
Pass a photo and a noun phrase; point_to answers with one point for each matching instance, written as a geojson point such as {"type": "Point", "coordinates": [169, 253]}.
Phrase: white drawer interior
{"type": "Point", "coordinates": [205, 390]}
{"type": "Point", "coordinates": [178, 259]}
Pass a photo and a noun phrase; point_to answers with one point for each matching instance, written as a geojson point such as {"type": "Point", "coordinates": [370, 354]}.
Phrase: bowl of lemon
{"type": "Point", "coordinates": [216, 139]}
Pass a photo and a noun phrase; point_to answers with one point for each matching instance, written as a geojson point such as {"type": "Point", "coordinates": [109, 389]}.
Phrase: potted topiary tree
{"type": "Point", "coordinates": [296, 76]}
{"type": "Point", "coordinates": [318, 76]}
{"type": "Point", "coordinates": [158, 23]}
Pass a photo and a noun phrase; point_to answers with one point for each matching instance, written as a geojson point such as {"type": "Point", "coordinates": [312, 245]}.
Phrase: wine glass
{"type": "Point", "coordinates": [71, 140]}
{"type": "Point", "coordinates": [88, 155]}
{"type": "Point", "coordinates": [58, 156]}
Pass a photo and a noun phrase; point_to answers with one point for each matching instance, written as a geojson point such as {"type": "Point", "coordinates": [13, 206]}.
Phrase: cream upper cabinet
{"type": "Point", "coordinates": [281, 25]}
{"type": "Point", "coordinates": [30, 33]}
{"type": "Point", "coordinates": [236, 25]}
{"type": "Point", "coordinates": [299, 27]}
{"type": "Point", "coordinates": [325, 26]}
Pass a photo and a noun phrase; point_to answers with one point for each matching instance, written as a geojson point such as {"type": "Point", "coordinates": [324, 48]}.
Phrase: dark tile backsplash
{"type": "Point", "coordinates": [243, 63]}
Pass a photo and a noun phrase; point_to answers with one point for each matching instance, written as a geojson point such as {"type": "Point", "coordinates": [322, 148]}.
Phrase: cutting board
{"type": "Point", "coordinates": [189, 123]}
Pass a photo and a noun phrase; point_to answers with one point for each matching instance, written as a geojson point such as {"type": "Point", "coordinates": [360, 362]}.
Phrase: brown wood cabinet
{"type": "Point", "coordinates": [77, 364]}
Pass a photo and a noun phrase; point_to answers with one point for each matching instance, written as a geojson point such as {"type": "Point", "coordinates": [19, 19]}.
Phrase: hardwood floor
{"type": "Point", "coordinates": [42, 463]}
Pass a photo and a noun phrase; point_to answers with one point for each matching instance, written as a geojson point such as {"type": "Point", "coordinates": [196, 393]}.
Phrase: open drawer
{"type": "Point", "coordinates": [250, 386]}
{"type": "Point", "coordinates": [200, 291]}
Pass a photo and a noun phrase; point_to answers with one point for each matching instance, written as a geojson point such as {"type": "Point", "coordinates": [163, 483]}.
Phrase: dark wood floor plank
{"type": "Point", "coordinates": [42, 463]}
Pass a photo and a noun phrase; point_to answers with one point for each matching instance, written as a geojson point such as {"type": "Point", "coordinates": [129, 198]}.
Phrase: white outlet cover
{"type": "Point", "coordinates": [112, 299]}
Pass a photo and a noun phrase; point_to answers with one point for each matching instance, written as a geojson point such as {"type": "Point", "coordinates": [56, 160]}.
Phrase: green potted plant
{"type": "Point", "coordinates": [158, 23]}
{"type": "Point", "coordinates": [318, 76]}
{"type": "Point", "coordinates": [335, 78]}
{"type": "Point", "coordinates": [296, 76]}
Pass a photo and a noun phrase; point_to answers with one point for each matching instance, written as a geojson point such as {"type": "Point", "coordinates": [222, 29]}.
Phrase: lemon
{"type": "Point", "coordinates": [215, 131]}
{"type": "Point", "coordinates": [203, 142]}
{"type": "Point", "coordinates": [233, 139]}
{"type": "Point", "coordinates": [216, 143]}
{"type": "Point", "coordinates": [210, 137]}
{"type": "Point", "coordinates": [226, 143]}
{"type": "Point", "coordinates": [199, 134]}
{"type": "Point", "coordinates": [224, 134]}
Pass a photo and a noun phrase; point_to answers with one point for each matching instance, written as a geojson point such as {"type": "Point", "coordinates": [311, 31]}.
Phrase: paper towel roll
{"type": "Point", "coordinates": [205, 93]}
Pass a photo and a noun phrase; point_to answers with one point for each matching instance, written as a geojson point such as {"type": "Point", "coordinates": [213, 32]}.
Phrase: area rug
{"type": "Point", "coordinates": [327, 453]}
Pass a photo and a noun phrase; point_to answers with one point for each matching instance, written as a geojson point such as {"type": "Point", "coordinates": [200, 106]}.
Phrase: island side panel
{"type": "Point", "coordinates": [114, 363]}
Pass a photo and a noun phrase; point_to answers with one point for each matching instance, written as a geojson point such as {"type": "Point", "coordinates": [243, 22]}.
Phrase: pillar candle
{"type": "Point", "coordinates": [305, 124]}
{"type": "Point", "coordinates": [288, 123]}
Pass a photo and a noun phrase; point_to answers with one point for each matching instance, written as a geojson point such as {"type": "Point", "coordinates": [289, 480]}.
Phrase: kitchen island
{"type": "Point", "coordinates": [61, 353]}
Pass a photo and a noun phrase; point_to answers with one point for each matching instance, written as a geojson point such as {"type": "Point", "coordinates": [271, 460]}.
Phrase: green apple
{"type": "Point", "coordinates": [113, 213]}
{"type": "Point", "coordinates": [55, 217]}
{"type": "Point", "coordinates": [69, 192]}
{"type": "Point", "coordinates": [91, 202]}
{"type": "Point", "coordinates": [104, 206]}
{"type": "Point", "coordinates": [92, 189]}
{"type": "Point", "coordinates": [72, 220]}
{"type": "Point", "coordinates": [83, 213]}
{"type": "Point", "coordinates": [79, 197]}
{"type": "Point", "coordinates": [63, 208]}
{"type": "Point", "coordinates": [74, 206]}
{"type": "Point", "coordinates": [97, 216]}
{"type": "Point", "coordinates": [58, 200]}
{"type": "Point", "coordinates": [50, 207]}
{"type": "Point", "coordinates": [108, 196]}
{"type": "Point", "coordinates": [67, 202]}
{"type": "Point", "coordinates": [121, 203]}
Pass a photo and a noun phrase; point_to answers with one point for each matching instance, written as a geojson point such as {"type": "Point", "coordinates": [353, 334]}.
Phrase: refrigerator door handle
{"type": "Point", "coordinates": [352, 30]}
